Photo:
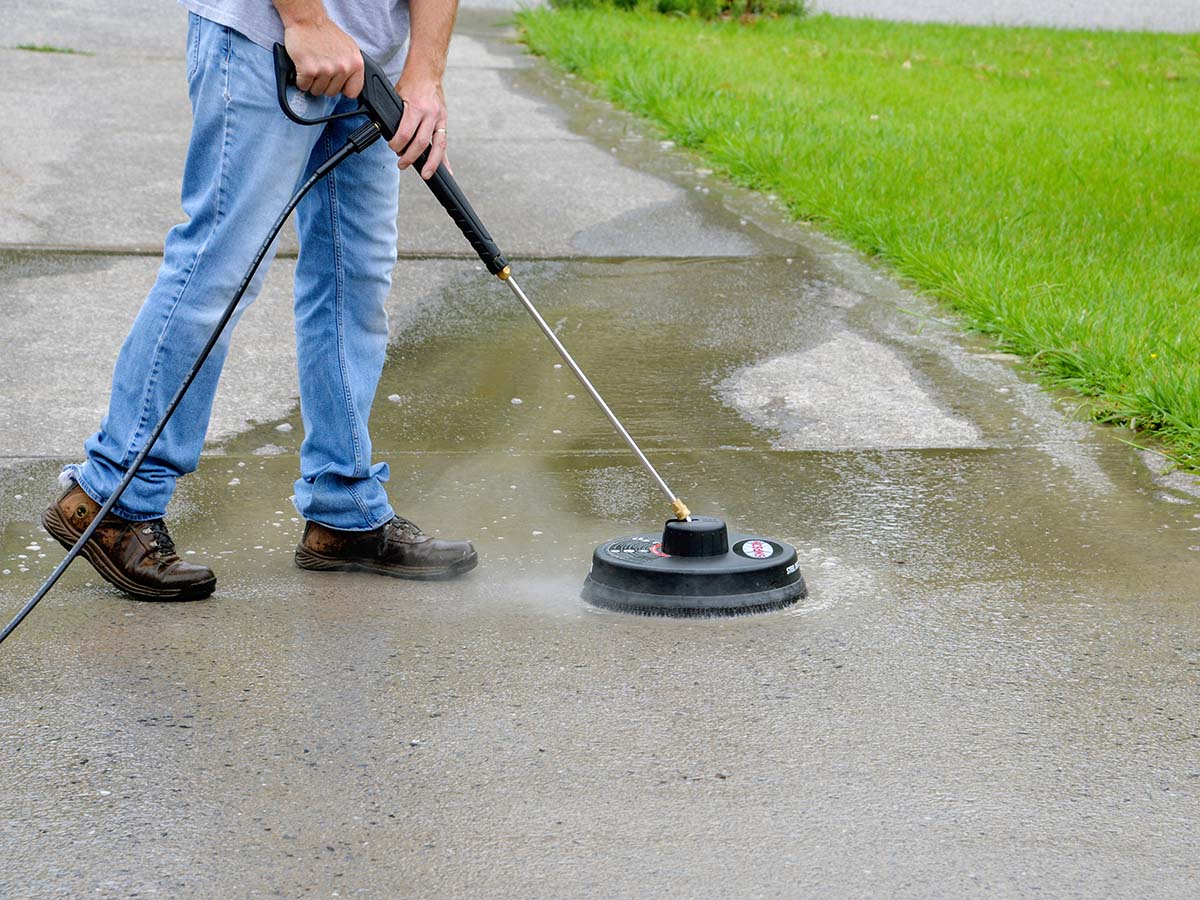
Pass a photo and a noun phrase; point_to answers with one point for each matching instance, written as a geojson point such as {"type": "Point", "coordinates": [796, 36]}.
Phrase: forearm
{"type": "Point", "coordinates": [300, 12]}
{"type": "Point", "coordinates": [432, 22]}
{"type": "Point", "coordinates": [420, 86]}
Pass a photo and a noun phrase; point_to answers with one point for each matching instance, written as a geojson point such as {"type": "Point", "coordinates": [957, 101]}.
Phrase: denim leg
{"type": "Point", "coordinates": [347, 228]}
{"type": "Point", "coordinates": [242, 164]}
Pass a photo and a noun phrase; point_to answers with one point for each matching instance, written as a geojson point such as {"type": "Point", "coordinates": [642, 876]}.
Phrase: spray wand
{"type": "Point", "coordinates": [384, 107]}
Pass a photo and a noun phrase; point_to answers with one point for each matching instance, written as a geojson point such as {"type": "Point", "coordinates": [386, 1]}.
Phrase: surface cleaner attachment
{"type": "Point", "coordinates": [695, 568]}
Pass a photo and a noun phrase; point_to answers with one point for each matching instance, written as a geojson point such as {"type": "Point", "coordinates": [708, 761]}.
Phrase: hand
{"type": "Point", "coordinates": [327, 59]}
{"type": "Point", "coordinates": [423, 124]}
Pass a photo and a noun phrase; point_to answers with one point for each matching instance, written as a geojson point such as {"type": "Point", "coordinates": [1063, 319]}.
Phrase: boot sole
{"type": "Point", "coordinates": [315, 562]}
{"type": "Point", "coordinates": [58, 528]}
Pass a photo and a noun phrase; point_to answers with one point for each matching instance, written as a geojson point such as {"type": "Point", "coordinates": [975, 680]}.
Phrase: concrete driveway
{"type": "Point", "coordinates": [992, 688]}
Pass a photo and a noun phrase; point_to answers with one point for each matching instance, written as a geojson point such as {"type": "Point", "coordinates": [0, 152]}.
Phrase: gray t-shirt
{"type": "Point", "coordinates": [380, 27]}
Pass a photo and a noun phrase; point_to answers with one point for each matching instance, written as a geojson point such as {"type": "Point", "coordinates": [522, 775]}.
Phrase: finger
{"type": "Point", "coordinates": [437, 154]}
{"type": "Point", "coordinates": [354, 84]}
{"type": "Point", "coordinates": [419, 144]}
{"type": "Point", "coordinates": [333, 87]}
{"type": "Point", "coordinates": [421, 141]}
{"type": "Point", "coordinates": [347, 75]}
{"type": "Point", "coordinates": [401, 140]}
{"type": "Point", "coordinates": [404, 132]}
{"type": "Point", "coordinates": [318, 83]}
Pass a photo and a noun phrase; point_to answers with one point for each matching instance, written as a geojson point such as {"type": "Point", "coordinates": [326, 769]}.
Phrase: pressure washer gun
{"type": "Point", "coordinates": [383, 106]}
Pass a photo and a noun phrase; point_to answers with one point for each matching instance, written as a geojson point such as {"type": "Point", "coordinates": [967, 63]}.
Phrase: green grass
{"type": "Point", "coordinates": [50, 48]}
{"type": "Point", "coordinates": [704, 9]}
{"type": "Point", "coordinates": [1045, 184]}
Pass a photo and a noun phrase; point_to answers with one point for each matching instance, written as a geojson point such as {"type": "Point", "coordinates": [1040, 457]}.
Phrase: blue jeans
{"type": "Point", "coordinates": [244, 161]}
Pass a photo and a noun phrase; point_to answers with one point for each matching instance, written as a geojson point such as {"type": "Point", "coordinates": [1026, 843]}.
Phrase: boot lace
{"type": "Point", "coordinates": [162, 543]}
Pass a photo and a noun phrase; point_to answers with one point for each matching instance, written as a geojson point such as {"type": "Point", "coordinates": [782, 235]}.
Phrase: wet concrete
{"type": "Point", "coordinates": [67, 314]}
{"type": "Point", "coordinates": [991, 689]}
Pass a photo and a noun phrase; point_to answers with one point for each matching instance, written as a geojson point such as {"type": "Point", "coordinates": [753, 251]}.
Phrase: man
{"type": "Point", "coordinates": [244, 161]}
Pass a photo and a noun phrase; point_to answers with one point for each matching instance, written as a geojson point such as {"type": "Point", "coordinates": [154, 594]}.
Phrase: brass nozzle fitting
{"type": "Point", "coordinates": [682, 513]}
{"type": "Point", "coordinates": [504, 273]}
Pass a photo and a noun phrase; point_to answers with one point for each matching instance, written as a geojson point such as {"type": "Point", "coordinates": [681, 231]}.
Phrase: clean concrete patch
{"type": "Point", "coordinates": [847, 393]}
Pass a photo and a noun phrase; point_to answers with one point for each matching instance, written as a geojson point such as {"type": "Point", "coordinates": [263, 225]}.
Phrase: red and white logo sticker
{"type": "Point", "coordinates": [756, 549]}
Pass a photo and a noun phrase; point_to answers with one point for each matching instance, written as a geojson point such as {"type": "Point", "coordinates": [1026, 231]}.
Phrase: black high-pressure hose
{"type": "Point", "coordinates": [384, 108]}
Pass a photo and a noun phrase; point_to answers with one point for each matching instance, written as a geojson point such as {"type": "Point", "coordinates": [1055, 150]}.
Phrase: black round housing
{"type": "Point", "coordinates": [695, 568]}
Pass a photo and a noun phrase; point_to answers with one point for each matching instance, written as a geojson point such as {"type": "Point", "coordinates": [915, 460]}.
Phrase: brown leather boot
{"type": "Point", "coordinates": [398, 549]}
{"type": "Point", "coordinates": [137, 557]}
